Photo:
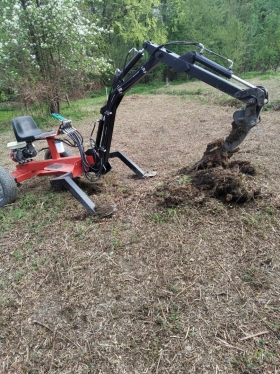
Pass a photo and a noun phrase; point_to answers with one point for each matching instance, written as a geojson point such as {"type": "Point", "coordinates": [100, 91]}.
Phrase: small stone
{"type": "Point", "coordinates": [96, 326]}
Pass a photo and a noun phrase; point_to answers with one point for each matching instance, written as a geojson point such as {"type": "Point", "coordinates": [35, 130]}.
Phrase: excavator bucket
{"type": "Point", "coordinates": [219, 151]}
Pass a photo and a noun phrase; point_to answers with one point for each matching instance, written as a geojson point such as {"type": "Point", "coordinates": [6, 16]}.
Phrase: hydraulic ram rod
{"type": "Point", "coordinates": [186, 63]}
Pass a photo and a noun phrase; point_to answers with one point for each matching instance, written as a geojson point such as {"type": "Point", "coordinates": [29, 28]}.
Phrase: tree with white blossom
{"type": "Point", "coordinates": [48, 46]}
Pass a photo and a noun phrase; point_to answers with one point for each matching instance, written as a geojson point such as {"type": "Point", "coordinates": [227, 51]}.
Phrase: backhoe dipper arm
{"type": "Point", "coordinates": [254, 97]}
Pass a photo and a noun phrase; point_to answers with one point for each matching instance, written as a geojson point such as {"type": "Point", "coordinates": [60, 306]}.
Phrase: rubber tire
{"type": "Point", "coordinates": [67, 153]}
{"type": "Point", "coordinates": [8, 188]}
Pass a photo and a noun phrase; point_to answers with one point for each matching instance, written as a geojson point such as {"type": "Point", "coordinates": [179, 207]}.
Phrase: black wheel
{"type": "Point", "coordinates": [67, 153]}
{"type": "Point", "coordinates": [8, 187]}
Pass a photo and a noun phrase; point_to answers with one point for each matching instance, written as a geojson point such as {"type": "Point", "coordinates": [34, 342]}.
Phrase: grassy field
{"type": "Point", "coordinates": [176, 280]}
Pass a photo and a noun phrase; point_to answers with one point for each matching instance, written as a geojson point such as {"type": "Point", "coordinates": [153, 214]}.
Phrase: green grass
{"type": "Point", "coordinates": [29, 208]}
{"type": "Point", "coordinates": [6, 114]}
{"type": "Point", "coordinates": [254, 74]}
{"type": "Point", "coordinates": [78, 110]}
{"type": "Point", "coordinates": [89, 107]}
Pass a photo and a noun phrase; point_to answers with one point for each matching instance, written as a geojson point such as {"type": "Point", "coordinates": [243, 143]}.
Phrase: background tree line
{"type": "Point", "coordinates": [49, 48]}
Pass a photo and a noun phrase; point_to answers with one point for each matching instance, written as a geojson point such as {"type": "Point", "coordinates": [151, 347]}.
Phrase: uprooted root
{"type": "Point", "coordinates": [212, 177]}
{"type": "Point", "coordinates": [213, 156]}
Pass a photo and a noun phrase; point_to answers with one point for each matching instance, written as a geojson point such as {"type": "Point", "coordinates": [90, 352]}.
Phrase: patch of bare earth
{"type": "Point", "coordinates": [213, 176]}
{"type": "Point", "coordinates": [182, 278]}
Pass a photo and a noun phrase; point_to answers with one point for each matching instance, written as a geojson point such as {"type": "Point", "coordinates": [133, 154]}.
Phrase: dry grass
{"type": "Point", "coordinates": [187, 289]}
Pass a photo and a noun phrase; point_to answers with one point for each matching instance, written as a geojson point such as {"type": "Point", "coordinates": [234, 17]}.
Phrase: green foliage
{"type": "Point", "coordinates": [132, 22]}
{"type": "Point", "coordinates": [3, 96]}
{"type": "Point", "coordinates": [212, 23]}
{"type": "Point", "coordinates": [47, 47]}
{"type": "Point", "coordinates": [247, 32]}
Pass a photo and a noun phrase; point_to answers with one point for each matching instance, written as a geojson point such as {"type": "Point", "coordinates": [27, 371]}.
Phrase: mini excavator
{"type": "Point", "coordinates": [94, 162]}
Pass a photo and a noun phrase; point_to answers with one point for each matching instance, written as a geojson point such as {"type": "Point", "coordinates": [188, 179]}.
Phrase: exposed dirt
{"type": "Point", "coordinates": [183, 277]}
{"type": "Point", "coordinates": [212, 176]}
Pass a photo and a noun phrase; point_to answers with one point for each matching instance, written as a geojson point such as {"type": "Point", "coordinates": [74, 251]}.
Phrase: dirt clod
{"type": "Point", "coordinates": [213, 156]}
{"type": "Point", "coordinates": [213, 177]}
{"type": "Point", "coordinates": [227, 185]}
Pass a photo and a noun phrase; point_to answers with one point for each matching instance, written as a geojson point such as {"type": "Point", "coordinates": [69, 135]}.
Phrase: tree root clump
{"type": "Point", "coordinates": [214, 176]}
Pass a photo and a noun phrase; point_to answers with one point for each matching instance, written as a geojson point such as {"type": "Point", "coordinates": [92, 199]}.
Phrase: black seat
{"type": "Point", "coordinates": [26, 130]}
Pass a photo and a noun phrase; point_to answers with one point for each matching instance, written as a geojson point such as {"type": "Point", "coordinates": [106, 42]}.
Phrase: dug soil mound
{"type": "Point", "coordinates": [214, 176]}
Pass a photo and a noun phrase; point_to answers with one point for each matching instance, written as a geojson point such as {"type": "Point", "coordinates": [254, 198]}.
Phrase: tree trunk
{"type": "Point", "coordinates": [55, 106]}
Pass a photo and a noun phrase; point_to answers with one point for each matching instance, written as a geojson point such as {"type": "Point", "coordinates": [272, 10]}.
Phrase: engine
{"type": "Point", "coordinates": [22, 152]}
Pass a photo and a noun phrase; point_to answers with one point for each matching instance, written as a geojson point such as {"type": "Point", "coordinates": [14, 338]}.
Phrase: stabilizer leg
{"type": "Point", "coordinates": [134, 167]}
{"type": "Point", "coordinates": [67, 182]}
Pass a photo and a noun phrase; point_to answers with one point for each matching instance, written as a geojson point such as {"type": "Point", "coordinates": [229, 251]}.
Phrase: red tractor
{"type": "Point", "coordinates": [94, 162]}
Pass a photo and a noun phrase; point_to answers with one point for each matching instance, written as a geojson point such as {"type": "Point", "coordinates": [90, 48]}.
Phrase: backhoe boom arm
{"type": "Point", "coordinates": [196, 65]}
